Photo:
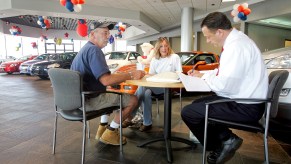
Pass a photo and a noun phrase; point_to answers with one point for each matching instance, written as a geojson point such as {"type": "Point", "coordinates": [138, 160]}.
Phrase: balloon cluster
{"type": "Point", "coordinates": [240, 12]}
{"type": "Point", "coordinates": [73, 5]}
{"type": "Point", "coordinates": [43, 37]}
{"type": "Point", "coordinates": [82, 28]}
{"type": "Point", "coordinates": [58, 41]}
{"type": "Point", "coordinates": [15, 30]}
{"type": "Point", "coordinates": [18, 46]}
{"type": "Point", "coordinates": [33, 45]}
{"type": "Point", "coordinates": [120, 27]}
{"type": "Point", "coordinates": [111, 39]}
{"type": "Point", "coordinates": [44, 22]}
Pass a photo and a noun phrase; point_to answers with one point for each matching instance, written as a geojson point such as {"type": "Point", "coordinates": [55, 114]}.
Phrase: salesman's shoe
{"type": "Point", "coordinates": [144, 128]}
{"type": "Point", "coordinates": [227, 150]}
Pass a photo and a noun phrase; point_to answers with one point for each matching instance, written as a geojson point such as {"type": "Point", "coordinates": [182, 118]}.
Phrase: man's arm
{"type": "Point", "coordinates": [111, 79]}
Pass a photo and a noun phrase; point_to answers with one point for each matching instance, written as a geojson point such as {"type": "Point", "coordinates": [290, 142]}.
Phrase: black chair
{"type": "Point", "coordinates": [276, 82]}
{"type": "Point", "coordinates": [70, 102]}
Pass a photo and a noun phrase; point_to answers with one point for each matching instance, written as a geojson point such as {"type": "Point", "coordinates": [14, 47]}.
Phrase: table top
{"type": "Point", "coordinates": [143, 82]}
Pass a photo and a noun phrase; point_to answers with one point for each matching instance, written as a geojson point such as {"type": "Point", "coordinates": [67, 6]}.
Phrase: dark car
{"type": "Point", "coordinates": [24, 67]}
{"type": "Point", "coordinates": [58, 60]}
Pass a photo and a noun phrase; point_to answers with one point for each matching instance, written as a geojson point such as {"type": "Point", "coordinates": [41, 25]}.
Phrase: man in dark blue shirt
{"type": "Point", "coordinates": [91, 63]}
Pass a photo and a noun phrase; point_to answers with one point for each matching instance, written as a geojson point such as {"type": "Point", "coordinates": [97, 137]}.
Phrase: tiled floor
{"type": "Point", "coordinates": [26, 126]}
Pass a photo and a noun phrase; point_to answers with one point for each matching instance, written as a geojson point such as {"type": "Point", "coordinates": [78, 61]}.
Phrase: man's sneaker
{"type": "Point", "coordinates": [112, 137]}
{"type": "Point", "coordinates": [100, 131]}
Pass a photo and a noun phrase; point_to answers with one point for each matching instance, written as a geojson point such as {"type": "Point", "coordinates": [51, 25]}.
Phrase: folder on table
{"type": "Point", "coordinates": [192, 83]}
{"type": "Point", "coordinates": [166, 77]}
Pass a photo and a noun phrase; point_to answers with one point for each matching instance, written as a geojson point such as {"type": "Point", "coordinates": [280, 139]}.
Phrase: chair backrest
{"type": "Point", "coordinates": [67, 88]}
{"type": "Point", "coordinates": [276, 81]}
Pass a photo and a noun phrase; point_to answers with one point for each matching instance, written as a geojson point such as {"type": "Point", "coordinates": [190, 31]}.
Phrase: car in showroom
{"type": "Point", "coordinates": [280, 59]}
{"type": "Point", "coordinates": [13, 66]}
{"type": "Point", "coordinates": [57, 60]}
{"type": "Point", "coordinates": [8, 58]}
{"type": "Point", "coordinates": [24, 67]}
{"type": "Point", "coordinates": [117, 59]}
{"type": "Point", "coordinates": [200, 60]}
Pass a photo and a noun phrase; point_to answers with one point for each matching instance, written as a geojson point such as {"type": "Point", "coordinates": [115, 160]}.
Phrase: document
{"type": "Point", "coordinates": [166, 77]}
{"type": "Point", "coordinates": [192, 83]}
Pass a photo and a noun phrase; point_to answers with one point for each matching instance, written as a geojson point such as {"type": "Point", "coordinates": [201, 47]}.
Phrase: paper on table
{"type": "Point", "coordinates": [193, 83]}
{"type": "Point", "coordinates": [169, 77]}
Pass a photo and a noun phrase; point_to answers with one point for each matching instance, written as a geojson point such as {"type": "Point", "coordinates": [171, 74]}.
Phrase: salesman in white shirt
{"type": "Point", "coordinates": [241, 74]}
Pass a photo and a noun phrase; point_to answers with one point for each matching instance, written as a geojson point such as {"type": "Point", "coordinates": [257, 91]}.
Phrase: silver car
{"type": "Point", "coordinates": [277, 60]}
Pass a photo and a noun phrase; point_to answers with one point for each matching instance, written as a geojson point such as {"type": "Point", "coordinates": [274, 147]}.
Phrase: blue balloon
{"type": "Point", "coordinates": [82, 21]}
{"type": "Point", "coordinates": [244, 18]}
{"type": "Point", "coordinates": [111, 39]}
{"type": "Point", "coordinates": [240, 15]}
{"type": "Point", "coordinates": [70, 6]}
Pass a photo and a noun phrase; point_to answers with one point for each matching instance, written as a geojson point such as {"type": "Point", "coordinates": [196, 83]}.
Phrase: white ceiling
{"type": "Point", "coordinates": [147, 17]}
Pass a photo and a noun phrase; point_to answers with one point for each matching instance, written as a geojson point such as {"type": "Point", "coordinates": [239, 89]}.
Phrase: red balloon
{"type": "Point", "coordinates": [63, 2]}
{"type": "Point", "coordinates": [82, 30]}
{"type": "Point", "coordinates": [240, 8]}
{"type": "Point", "coordinates": [48, 25]}
{"type": "Point", "coordinates": [81, 1]}
{"type": "Point", "coordinates": [247, 11]}
{"type": "Point", "coordinates": [75, 2]}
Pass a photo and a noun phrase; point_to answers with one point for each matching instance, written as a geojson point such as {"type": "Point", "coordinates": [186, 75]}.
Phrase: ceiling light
{"type": "Point", "coordinates": [227, 0]}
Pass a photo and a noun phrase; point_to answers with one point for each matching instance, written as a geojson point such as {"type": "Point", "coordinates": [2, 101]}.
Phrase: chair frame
{"type": "Point", "coordinates": [277, 79]}
{"type": "Point", "coordinates": [85, 114]}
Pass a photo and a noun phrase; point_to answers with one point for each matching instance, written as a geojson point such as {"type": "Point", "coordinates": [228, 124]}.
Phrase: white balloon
{"type": "Point", "coordinates": [38, 22]}
{"type": "Point", "coordinates": [78, 8]}
{"type": "Point", "coordinates": [44, 17]}
{"type": "Point", "coordinates": [236, 19]}
{"type": "Point", "coordinates": [245, 5]}
{"type": "Point", "coordinates": [235, 6]}
{"type": "Point", "coordinates": [234, 12]}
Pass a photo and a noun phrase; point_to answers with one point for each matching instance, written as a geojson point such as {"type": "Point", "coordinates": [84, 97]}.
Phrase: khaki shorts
{"type": "Point", "coordinates": [106, 100]}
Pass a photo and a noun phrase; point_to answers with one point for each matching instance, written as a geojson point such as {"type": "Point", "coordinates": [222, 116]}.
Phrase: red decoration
{"type": "Point", "coordinates": [66, 35]}
{"type": "Point", "coordinates": [82, 28]}
{"type": "Point", "coordinates": [63, 2]}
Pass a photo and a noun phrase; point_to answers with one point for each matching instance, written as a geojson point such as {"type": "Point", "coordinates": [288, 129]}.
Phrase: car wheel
{"type": "Point", "coordinates": [43, 77]}
{"type": "Point", "coordinates": [9, 73]}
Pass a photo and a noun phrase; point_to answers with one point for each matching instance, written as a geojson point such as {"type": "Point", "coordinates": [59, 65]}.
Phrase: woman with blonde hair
{"type": "Point", "coordinates": [164, 60]}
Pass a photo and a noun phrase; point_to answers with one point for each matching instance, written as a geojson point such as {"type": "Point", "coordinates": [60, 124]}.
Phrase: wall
{"type": "Point", "coordinates": [268, 38]}
{"type": "Point", "coordinates": [176, 44]}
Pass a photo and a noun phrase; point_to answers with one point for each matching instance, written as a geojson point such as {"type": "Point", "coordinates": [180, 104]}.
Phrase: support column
{"type": "Point", "coordinates": [187, 29]}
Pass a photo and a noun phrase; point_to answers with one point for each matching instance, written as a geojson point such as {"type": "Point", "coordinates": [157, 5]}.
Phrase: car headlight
{"type": "Point", "coordinates": [285, 92]}
{"type": "Point", "coordinates": [127, 87]}
{"type": "Point", "coordinates": [112, 66]}
{"type": "Point", "coordinates": [12, 65]}
{"type": "Point", "coordinates": [280, 62]}
{"type": "Point", "coordinates": [55, 65]}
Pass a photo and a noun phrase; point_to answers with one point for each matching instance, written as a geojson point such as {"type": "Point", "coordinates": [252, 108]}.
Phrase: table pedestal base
{"type": "Point", "coordinates": [168, 144]}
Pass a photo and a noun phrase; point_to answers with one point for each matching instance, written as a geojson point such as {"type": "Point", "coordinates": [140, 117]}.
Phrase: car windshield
{"type": "Point", "coordinates": [185, 56]}
{"type": "Point", "coordinates": [116, 55]}
{"type": "Point", "coordinates": [53, 57]}
{"type": "Point", "coordinates": [23, 58]}
{"type": "Point", "coordinates": [280, 62]}
{"type": "Point", "coordinates": [42, 57]}
{"type": "Point", "coordinates": [192, 60]}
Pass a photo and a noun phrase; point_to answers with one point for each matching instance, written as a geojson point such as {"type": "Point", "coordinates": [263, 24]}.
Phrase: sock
{"type": "Point", "coordinates": [104, 119]}
{"type": "Point", "coordinates": [114, 125]}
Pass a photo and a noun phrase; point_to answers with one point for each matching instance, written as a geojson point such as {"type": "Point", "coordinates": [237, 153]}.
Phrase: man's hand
{"type": "Point", "coordinates": [138, 74]}
{"type": "Point", "coordinates": [194, 73]}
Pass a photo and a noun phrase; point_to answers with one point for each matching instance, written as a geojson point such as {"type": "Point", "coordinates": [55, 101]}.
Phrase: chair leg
{"type": "Point", "coordinates": [205, 136]}
{"type": "Point", "coordinates": [120, 124]}
{"type": "Point", "coordinates": [180, 96]}
{"type": "Point", "coordinates": [88, 129]}
{"type": "Point", "coordinates": [266, 148]}
{"type": "Point", "coordinates": [84, 141]}
{"type": "Point", "coordinates": [158, 109]}
{"type": "Point", "coordinates": [55, 133]}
